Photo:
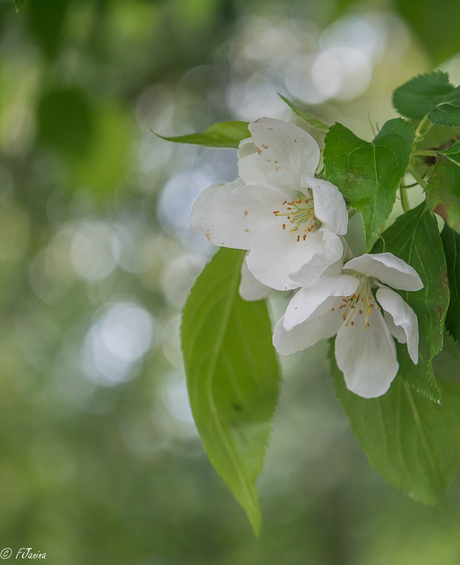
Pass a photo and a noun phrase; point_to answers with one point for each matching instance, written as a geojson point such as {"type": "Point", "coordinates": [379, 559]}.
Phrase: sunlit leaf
{"type": "Point", "coordinates": [222, 134]}
{"type": "Point", "coordinates": [414, 237]}
{"type": "Point", "coordinates": [412, 442]}
{"type": "Point", "coordinates": [451, 243]}
{"type": "Point", "coordinates": [369, 174]}
{"type": "Point", "coordinates": [417, 97]}
{"type": "Point", "coordinates": [312, 121]}
{"type": "Point", "coordinates": [232, 376]}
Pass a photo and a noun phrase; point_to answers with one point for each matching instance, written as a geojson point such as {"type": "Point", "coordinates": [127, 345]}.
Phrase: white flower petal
{"type": "Point", "coordinates": [312, 256]}
{"type": "Point", "coordinates": [235, 214]}
{"type": "Point", "coordinates": [250, 288]}
{"type": "Point", "coordinates": [387, 268]}
{"type": "Point", "coordinates": [306, 334]}
{"type": "Point", "coordinates": [403, 316]}
{"type": "Point", "coordinates": [308, 302]}
{"type": "Point", "coordinates": [367, 357]}
{"type": "Point", "coordinates": [396, 331]}
{"type": "Point", "coordinates": [246, 148]}
{"type": "Point", "coordinates": [330, 207]}
{"type": "Point", "coordinates": [201, 202]}
{"type": "Point", "coordinates": [334, 269]}
{"type": "Point", "coordinates": [284, 153]}
{"type": "Point", "coordinates": [268, 260]}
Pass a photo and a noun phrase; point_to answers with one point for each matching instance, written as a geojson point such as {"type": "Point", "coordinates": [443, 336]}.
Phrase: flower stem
{"type": "Point", "coordinates": [424, 153]}
{"type": "Point", "coordinates": [404, 199]}
{"type": "Point", "coordinates": [419, 133]}
{"type": "Point", "coordinates": [412, 170]}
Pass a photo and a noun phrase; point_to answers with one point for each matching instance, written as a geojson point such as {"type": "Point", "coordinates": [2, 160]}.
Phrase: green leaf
{"type": "Point", "coordinates": [453, 152]}
{"type": "Point", "coordinates": [414, 237]}
{"type": "Point", "coordinates": [18, 4]}
{"type": "Point", "coordinates": [451, 243]}
{"type": "Point", "coordinates": [447, 112]}
{"type": "Point", "coordinates": [312, 121]}
{"type": "Point", "coordinates": [222, 134]}
{"type": "Point", "coordinates": [416, 98]}
{"type": "Point", "coordinates": [412, 442]}
{"type": "Point", "coordinates": [429, 95]}
{"type": "Point", "coordinates": [232, 376]}
{"type": "Point", "coordinates": [369, 174]}
{"type": "Point", "coordinates": [443, 190]}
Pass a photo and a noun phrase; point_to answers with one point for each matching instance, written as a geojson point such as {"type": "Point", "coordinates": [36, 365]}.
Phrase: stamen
{"type": "Point", "coordinates": [363, 296]}
{"type": "Point", "coordinates": [300, 213]}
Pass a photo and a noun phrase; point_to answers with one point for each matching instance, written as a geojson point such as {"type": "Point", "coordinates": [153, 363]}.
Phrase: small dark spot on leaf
{"type": "Point", "coordinates": [237, 407]}
{"type": "Point", "coordinates": [443, 280]}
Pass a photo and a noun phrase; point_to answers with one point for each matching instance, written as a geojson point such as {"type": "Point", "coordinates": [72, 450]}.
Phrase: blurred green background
{"type": "Point", "coordinates": [100, 460]}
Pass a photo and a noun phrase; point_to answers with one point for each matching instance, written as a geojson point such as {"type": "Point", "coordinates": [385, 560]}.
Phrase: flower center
{"type": "Point", "coordinates": [300, 215]}
{"type": "Point", "coordinates": [361, 303]}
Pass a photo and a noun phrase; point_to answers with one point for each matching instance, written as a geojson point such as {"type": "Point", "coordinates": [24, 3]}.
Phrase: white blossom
{"type": "Point", "coordinates": [350, 305]}
{"type": "Point", "coordinates": [288, 220]}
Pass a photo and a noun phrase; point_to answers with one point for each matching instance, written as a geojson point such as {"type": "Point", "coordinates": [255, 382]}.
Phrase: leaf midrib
{"type": "Point", "coordinates": [209, 393]}
{"type": "Point", "coordinates": [421, 434]}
